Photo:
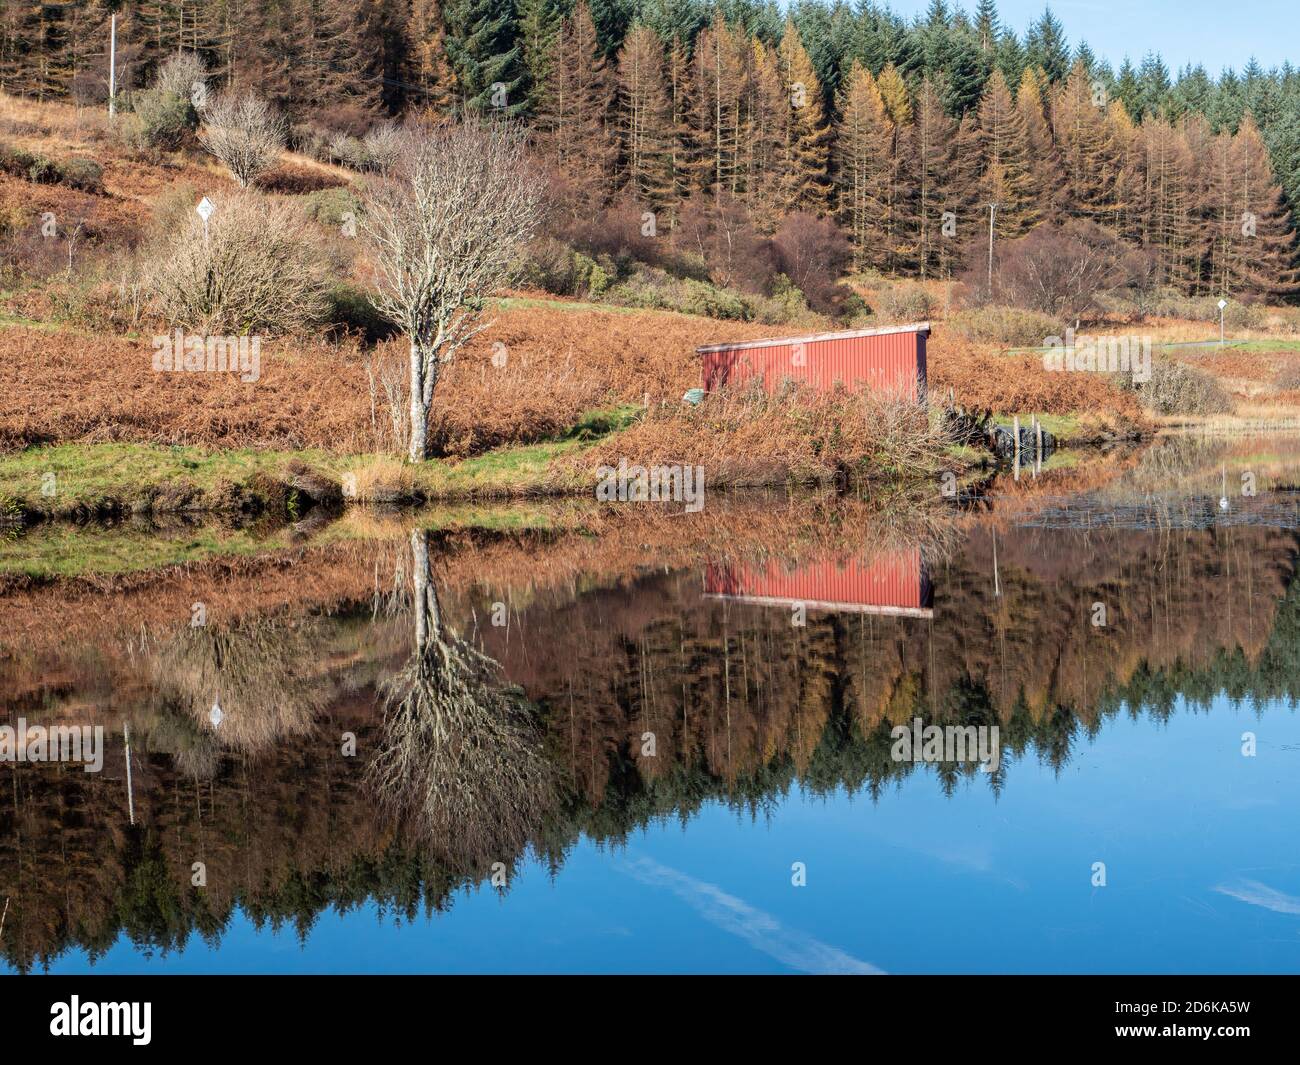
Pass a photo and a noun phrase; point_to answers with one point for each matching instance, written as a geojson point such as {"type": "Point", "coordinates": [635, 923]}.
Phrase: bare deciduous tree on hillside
{"type": "Point", "coordinates": [245, 133]}
{"type": "Point", "coordinates": [447, 224]}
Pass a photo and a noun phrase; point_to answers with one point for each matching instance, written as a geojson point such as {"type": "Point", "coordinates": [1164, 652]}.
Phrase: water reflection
{"type": "Point", "coordinates": [648, 667]}
{"type": "Point", "coordinates": [459, 755]}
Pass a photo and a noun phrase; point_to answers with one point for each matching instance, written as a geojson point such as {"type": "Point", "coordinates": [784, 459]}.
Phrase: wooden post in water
{"type": "Point", "coordinates": [1015, 432]}
{"type": "Point", "coordinates": [1038, 446]}
{"type": "Point", "coordinates": [997, 585]}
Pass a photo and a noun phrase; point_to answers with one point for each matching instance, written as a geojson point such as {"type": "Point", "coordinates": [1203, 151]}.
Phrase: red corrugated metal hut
{"type": "Point", "coordinates": [890, 360]}
{"type": "Point", "coordinates": [893, 583]}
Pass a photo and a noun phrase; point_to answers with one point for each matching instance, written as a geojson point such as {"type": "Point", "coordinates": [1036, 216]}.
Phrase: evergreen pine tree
{"type": "Point", "coordinates": [485, 55]}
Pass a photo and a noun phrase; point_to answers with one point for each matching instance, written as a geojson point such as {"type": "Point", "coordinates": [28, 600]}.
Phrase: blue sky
{"type": "Point", "coordinates": [1199, 844]}
{"type": "Point", "coordinates": [1216, 33]}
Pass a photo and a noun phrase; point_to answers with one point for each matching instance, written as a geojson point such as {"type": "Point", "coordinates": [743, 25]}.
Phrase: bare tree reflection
{"type": "Point", "coordinates": [262, 669]}
{"type": "Point", "coordinates": [460, 761]}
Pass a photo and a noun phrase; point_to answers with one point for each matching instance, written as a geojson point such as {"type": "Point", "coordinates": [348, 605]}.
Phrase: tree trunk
{"type": "Point", "coordinates": [419, 411]}
{"type": "Point", "coordinates": [427, 611]}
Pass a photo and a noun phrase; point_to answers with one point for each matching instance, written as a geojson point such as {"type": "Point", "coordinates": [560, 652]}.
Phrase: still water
{"type": "Point", "coordinates": [574, 739]}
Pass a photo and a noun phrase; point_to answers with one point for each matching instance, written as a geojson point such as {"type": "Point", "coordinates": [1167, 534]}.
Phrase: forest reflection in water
{"type": "Point", "coordinates": [511, 693]}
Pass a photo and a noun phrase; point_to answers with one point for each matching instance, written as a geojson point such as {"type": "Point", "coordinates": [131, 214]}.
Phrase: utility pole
{"type": "Point", "coordinates": [112, 66]}
{"type": "Point", "coordinates": [993, 210]}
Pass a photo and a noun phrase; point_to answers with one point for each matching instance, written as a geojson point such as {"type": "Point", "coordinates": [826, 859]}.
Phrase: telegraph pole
{"type": "Point", "coordinates": [112, 66]}
{"type": "Point", "coordinates": [993, 210]}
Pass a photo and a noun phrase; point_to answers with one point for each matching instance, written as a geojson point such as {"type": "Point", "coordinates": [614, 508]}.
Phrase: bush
{"type": "Point", "coordinates": [556, 268]}
{"type": "Point", "coordinates": [1176, 388]}
{"type": "Point", "coordinates": [331, 206]}
{"type": "Point", "coordinates": [786, 303]}
{"type": "Point", "coordinates": [165, 121]}
{"type": "Point", "coordinates": [349, 310]}
{"type": "Point", "coordinates": [292, 180]}
{"type": "Point", "coordinates": [654, 289]}
{"type": "Point", "coordinates": [166, 111]}
{"type": "Point", "coordinates": [182, 75]}
{"type": "Point", "coordinates": [349, 151]}
{"type": "Point", "coordinates": [813, 254]}
{"type": "Point", "coordinates": [84, 174]}
{"type": "Point", "coordinates": [245, 133]}
{"type": "Point", "coordinates": [1243, 315]}
{"type": "Point", "coordinates": [383, 146]}
{"type": "Point", "coordinates": [1010, 326]}
{"type": "Point", "coordinates": [1057, 270]}
{"type": "Point", "coordinates": [255, 272]}
{"type": "Point", "coordinates": [29, 166]}
{"type": "Point", "coordinates": [904, 303]}
{"type": "Point", "coordinates": [699, 297]}
{"type": "Point", "coordinates": [720, 231]}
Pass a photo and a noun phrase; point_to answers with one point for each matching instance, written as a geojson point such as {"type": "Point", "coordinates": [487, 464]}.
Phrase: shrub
{"type": "Point", "coordinates": [654, 289]}
{"type": "Point", "coordinates": [785, 304]}
{"type": "Point", "coordinates": [1236, 315]}
{"type": "Point", "coordinates": [84, 174]}
{"type": "Point", "coordinates": [29, 166]}
{"type": "Point", "coordinates": [554, 267]}
{"type": "Point", "coordinates": [720, 231]}
{"type": "Point", "coordinates": [813, 254]}
{"type": "Point", "coordinates": [1288, 378]}
{"type": "Point", "coordinates": [699, 297]}
{"type": "Point", "coordinates": [1243, 315]}
{"type": "Point", "coordinates": [907, 302]}
{"type": "Point", "coordinates": [349, 309]}
{"type": "Point", "coordinates": [165, 121]}
{"type": "Point", "coordinates": [291, 180]}
{"type": "Point", "coordinates": [1176, 388]}
{"type": "Point", "coordinates": [1011, 326]}
{"type": "Point", "coordinates": [347, 150]}
{"type": "Point", "coordinates": [331, 206]}
{"type": "Point", "coordinates": [383, 146]}
{"type": "Point", "coordinates": [245, 133]}
{"type": "Point", "coordinates": [182, 75]}
{"type": "Point", "coordinates": [747, 436]}
{"type": "Point", "coordinates": [253, 273]}
{"type": "Point", "coordinates": [1057, 270]}
{"type": "Point", "coordinates": [166, 111]}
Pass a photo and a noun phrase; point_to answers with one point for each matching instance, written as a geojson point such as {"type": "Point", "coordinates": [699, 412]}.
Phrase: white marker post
{"type": "Point", "coordinates": [1223, 304]}
{"type": "Point", "coordinates": [205, 209]}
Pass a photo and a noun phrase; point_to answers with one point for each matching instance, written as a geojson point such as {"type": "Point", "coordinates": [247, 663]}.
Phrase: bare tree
{"type": "Point", "coordinates": [460, 759]}
{"type": "Point", "coordinates": [384, 146]}
{"type": "Point", "coordinates": [447, 224]}
{"type": "Point", "coordinates": [1060, 270]}
{"type": "Point", "coordinates": [182, 75]}
{"type": "Point", "coordinates": [245, 133]}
